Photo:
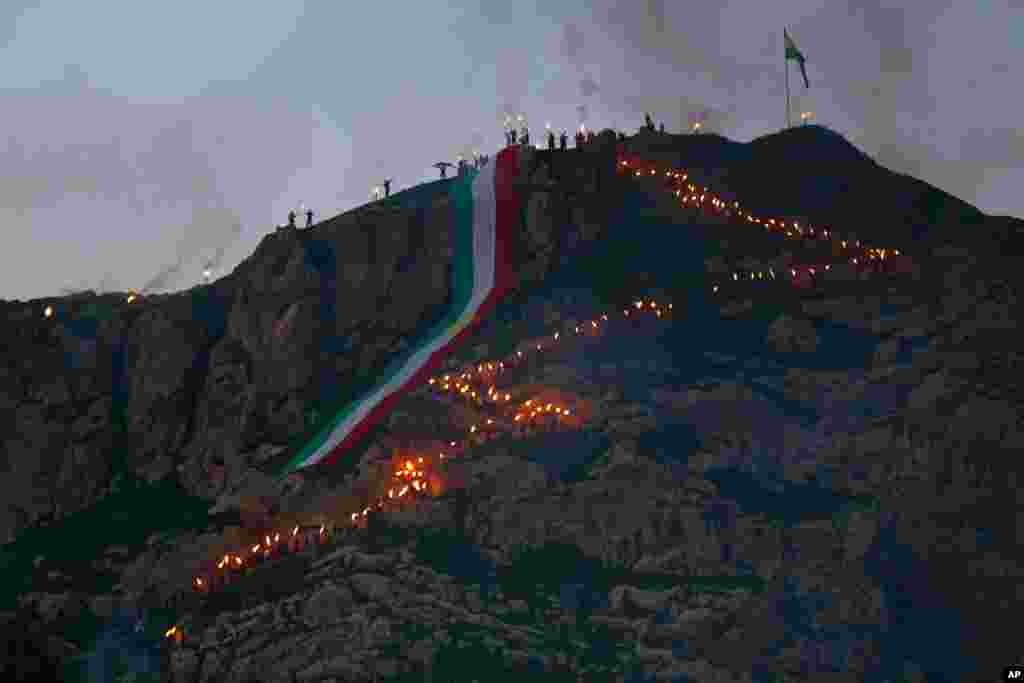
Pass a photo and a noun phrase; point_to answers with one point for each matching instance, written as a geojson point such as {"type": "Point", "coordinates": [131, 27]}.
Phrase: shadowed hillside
{"type": "Point", "coordinates": [762, 480]}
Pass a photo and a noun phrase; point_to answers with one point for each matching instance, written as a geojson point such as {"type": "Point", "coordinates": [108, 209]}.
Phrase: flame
{"type": "Point", "coordinates": [48, 311]}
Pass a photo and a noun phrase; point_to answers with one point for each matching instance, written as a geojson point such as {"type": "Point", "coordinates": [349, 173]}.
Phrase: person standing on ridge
{"type": "Point", "coordinates": [661, 128]}
{"type": "Point", "coordinates": [387, 187]}
{"type": "Point", "coordinates": [443, 166]}
{"type": "Point", "coordinates": [579, 140]}
{"type": "Point", "coordinates": [648, 123]}
{"type": "Point", "coordinates": [563, 140]}
{"type": "Point", "coordinates": [291, 218]}
{"type": "Point", "coordinates": [551, 139]}
{"type": "Point", "coordinates": [309, 218]}
{"type": "Point", "coordinates": [513, 133]}
{"type": "Point", "coordinates": [524, 137]}
{"type": "Point", "coordinates": [590, 136]}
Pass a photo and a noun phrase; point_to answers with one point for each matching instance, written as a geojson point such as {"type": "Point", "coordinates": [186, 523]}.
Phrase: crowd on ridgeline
{"type": "Point", "coordinates": [513, 136]}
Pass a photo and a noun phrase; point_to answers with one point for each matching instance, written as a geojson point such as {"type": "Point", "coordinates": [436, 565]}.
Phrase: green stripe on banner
{"type": "Point", "coordinates": [462, 290]}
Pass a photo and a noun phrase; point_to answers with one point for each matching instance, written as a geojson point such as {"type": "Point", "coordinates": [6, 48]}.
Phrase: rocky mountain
{"type": "Point", "coordinates": [770, 480]}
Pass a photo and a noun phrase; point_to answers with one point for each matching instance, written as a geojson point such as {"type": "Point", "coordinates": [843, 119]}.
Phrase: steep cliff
{"type": "Point", "coordinates": [207, 382]}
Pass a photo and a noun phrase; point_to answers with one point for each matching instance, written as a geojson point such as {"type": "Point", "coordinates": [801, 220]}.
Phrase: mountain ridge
{"type": "Point", "coordinates": [200, 388]}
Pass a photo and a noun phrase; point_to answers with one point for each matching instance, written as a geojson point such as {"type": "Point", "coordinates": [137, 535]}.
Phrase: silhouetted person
{"type": "Point", "coordinates": [551, 140]}
{"type": "Point", "coordinates": [291, 219]}
{"type": "Point", "coordinates": [524, 138]}
{"type": "Point", "coordinates": [579, 139]}
{"type": "Point", "coordinates": [563, 140]}
{"type": "Point", "coordinates": [443, 165]}
{"type": "Point", "coordinates": [513, 133]}
{"type": "Point", "coordinates": [590, 136]}
{"type": "Point", "coordinates": [648, 123]}
{"type": "Point", "coordinates": [387, 187]}
{"type": "Point", "coordinates": [661, 128]}
{"type": "Point", "coordinates": [309, 218]}
{"type": "Point", "coordinates": [622, 136]}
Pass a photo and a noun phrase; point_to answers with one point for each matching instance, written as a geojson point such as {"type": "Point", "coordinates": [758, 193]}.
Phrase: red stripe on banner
{"type": "Point", "coordinates": [508, 204]}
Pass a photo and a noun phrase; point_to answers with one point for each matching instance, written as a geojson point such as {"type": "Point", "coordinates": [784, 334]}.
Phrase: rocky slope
{"type": "Point", "coordinates": [226, 374]}
{"type": "Point", "coordinates": [873, 540]}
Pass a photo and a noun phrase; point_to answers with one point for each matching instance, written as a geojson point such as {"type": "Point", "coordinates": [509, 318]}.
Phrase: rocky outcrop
{"type": "Point", "coordinates": [211, 382]}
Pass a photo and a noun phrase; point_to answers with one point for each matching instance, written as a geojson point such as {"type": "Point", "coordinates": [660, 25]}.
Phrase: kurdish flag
{"type": "Point", "coordinates": [793, 53]}
{"type": "Point", "coordinates": [487, 211]}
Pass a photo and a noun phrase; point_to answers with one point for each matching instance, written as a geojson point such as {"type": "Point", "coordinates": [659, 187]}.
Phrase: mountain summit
{"type": "Point", "coordinates": [751, 408]}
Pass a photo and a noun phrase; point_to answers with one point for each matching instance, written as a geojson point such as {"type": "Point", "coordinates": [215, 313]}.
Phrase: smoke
{"type": "Point", "coordinates": [656, 13]}
{"type": "Point", "coordinates": [209, 234]}
{"type": "Point", "coordinates": [164, 279]}
{"type": "Point", "coordinates": [572, 42]}
{"type": "Point", "coordinates": [513, 71]}
{"type": "Point", "coordinates": [581, 113]}
{"type": "Point", "coordinates": [140, 188]}
{"type": "Point", "coordinates": [80, 288]}
{"type": "Point", "coordinates": [711, 119]}
{"type": "Point", "coordinates": [230, 236]}
{"type": "Point", "coordinates": [680, 113]}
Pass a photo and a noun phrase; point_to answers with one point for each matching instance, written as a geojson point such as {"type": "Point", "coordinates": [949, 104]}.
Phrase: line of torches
{"type": "Point", "coordinates": [416, 476]}
{"type": "Point", "coordinates": [801, 275]}
{"type": "Point", "coordinates": [469, 382]}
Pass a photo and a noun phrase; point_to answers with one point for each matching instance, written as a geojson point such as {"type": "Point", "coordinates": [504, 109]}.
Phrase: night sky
{"type": "Point", "coordinates": [145, 135]}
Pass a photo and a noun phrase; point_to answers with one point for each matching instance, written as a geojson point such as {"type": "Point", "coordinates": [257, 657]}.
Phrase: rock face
{"type": "Point", "coordinates": [209, 382]}
{"type": "Point", "coordinates": [652, 553]}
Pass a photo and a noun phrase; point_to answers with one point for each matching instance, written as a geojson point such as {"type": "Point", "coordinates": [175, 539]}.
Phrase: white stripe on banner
{"type": "Point", "coordinates": [484, 240]}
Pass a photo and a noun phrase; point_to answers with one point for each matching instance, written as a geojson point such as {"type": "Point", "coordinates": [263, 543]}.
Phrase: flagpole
{"type": "Point", "coordinates": [785, 65]}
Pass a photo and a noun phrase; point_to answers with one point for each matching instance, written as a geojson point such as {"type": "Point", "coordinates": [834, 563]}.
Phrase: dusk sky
{"type": "Point", "coordinates": [143, 134]}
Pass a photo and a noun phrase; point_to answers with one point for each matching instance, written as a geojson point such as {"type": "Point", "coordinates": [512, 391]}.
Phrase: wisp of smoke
{"type": "Point", "coordinates": [212, 228]}
{"type": "Point", "coordinates": [572, 41]}
{"type": "Point", "coordinates": [581, 113]}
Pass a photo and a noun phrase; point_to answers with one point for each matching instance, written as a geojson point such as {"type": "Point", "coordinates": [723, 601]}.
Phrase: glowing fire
{"type": "Point", "coordinates": [689, 195]}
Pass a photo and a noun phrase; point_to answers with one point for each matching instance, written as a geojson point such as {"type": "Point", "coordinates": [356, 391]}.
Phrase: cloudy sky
{"type": "Point", "coordinates": [146, 139]}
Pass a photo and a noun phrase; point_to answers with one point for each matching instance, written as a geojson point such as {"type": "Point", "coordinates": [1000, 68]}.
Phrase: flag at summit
{"type": "Point", "coordinates": [793, 53]}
